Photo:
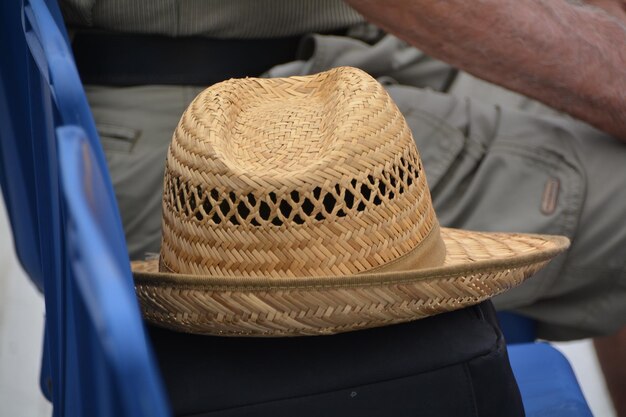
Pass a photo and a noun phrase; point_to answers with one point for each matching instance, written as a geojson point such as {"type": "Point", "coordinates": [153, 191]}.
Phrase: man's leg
{"type": "Point", "coordinates": [611, 351]}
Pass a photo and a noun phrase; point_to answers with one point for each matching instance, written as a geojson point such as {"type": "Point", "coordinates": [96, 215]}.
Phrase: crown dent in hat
{"type": "Point", "coordinates": [300, 176]}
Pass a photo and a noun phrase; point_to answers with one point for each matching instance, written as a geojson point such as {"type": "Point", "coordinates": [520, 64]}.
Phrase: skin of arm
{"type": "Point", "coordinates": [570, 57]}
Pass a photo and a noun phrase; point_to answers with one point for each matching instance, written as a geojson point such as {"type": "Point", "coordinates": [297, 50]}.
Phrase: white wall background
{"type": "Point", "coordinates": [21, 335]}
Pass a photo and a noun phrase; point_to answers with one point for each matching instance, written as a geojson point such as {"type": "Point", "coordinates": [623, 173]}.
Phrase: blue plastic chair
{"type": "Point", "coordinates": [517, 328]}
{"type": "Point", "coordinates": [546, 380]}
{"type": "Point", "coordinates": [547, 383]}
{"type": "Point", "coordinates": [17, 122]}
{"type": "Point", "coordinates": [27, 117]}
{"type": "Point", "coordinates": [39, 91]}
{"type": "Point", "coordinates": [104, 322]}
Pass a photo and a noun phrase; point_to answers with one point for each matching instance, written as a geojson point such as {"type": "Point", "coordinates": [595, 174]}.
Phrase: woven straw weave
{"type": "Point", "coordinates": [302, 176]}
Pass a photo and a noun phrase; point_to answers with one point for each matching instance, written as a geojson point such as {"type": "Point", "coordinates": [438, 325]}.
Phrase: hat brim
{"type": "Point", "coordinates": [478, 266]}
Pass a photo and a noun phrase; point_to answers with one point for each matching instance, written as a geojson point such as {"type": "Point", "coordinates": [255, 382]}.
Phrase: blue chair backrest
{"type": "Point", "coordinates": [16, 147]}
{"type": "Point", "coordinates": [39, 91]}
{"type": "Point", "coordinates": [547, 382]}
{"type": "Point", "coordinates": [27, 172]}
{"type": "Point", "coordinates": [19, 123]}
{"type": "Point", "coordinates": [104, 323]}
{"type": "Point", "coordinates": [517, 328]}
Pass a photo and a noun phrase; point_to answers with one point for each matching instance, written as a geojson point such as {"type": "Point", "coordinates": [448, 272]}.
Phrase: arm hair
{"type": "Point", "coordinates": [570, 57]}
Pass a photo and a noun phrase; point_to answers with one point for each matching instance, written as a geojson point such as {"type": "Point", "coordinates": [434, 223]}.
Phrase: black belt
{"type": "Point", "coordinates": [119, 59]}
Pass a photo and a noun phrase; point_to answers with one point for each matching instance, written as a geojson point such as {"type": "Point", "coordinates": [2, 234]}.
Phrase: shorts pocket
{"type": "Point", "coordinates": [494, 169]}
{"type": "Point", "coordinates": [116, 138]}
{"type": "Point", "coordinates": [527, 178]}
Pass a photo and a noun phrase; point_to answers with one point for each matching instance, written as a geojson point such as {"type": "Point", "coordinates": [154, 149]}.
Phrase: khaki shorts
{"type": "Point", "coordinates": [500, 162]}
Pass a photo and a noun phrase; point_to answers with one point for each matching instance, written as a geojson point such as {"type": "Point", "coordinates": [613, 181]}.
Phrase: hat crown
{"type": "Point", "coordinates": [299, 176]}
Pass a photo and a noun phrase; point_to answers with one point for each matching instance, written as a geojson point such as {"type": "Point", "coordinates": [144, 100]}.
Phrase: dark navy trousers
{"type": "Point", "coordinates": [454, 364]}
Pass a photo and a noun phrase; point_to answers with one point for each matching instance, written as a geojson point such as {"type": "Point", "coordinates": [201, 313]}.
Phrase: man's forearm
{"type": "Point", "coordinates": [572, 58]}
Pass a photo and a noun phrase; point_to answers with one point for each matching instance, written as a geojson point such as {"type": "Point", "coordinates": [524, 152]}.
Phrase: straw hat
{"type": "Point", "coordinates": [299, 206]}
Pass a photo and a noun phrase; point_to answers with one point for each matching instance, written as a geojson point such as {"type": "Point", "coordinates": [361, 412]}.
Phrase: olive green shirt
{"type": "Point", "coordinates": [213, 18]}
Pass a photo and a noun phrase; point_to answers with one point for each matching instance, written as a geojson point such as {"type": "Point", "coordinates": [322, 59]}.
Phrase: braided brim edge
{"type": "Point", "coordinates": [478, 266]}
